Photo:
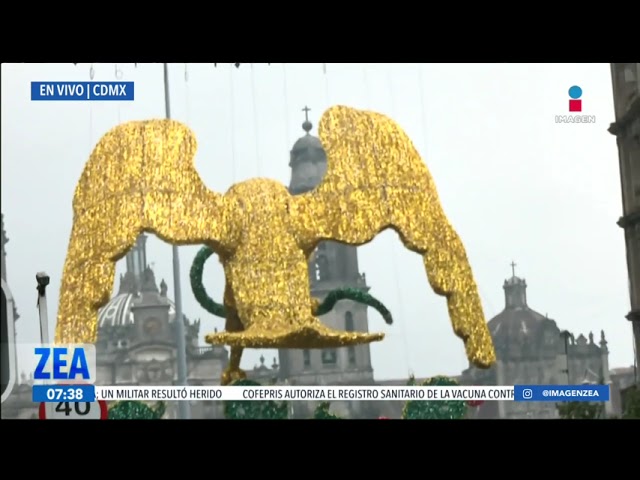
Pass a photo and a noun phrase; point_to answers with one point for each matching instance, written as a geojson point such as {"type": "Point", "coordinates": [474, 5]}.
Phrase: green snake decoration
{"type": "Point", "coordinates": [260, 410]}
{"type": "Point", "coordinates": [333, 297]}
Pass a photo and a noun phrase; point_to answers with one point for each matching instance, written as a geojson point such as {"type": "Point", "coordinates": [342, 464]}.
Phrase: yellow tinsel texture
{"type": "Point", "coordinates": [141, 177]}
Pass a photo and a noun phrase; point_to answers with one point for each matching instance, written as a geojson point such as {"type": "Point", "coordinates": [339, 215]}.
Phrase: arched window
{"type": "Point", "coordinates": [348, 322]}
{"type": "Point", "coordinates": [329, 356]}
{"type": "Point", "coordinates": [306, 358]}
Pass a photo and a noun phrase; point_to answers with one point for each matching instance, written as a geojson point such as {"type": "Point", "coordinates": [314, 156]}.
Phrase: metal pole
{"type": "Point", "coordinates": [500, 381]}
{"type": "Point", "coordinates": [43, 280]}
{"type": "Point", "coordinates": [566, 335]}
{"type": "Point", "coordinates": [184, 409]}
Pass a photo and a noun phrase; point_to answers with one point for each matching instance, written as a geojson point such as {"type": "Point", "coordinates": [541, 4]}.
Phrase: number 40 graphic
{"type": "Point", "coordinates": [81, 409]}
{"type": "Point", "coordinates": [73, 411]}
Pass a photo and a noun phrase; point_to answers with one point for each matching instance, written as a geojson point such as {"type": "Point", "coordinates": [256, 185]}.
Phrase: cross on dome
{"type": "Point", "coordinates": [307, 125]}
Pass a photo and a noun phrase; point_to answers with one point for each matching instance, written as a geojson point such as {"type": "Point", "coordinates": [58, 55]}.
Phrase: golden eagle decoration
{"type": "Point", "coordinates": [141, 178]}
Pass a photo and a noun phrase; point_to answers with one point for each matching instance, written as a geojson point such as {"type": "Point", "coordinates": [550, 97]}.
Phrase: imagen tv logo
{"type": "Point", "coordinates": [575, 106]}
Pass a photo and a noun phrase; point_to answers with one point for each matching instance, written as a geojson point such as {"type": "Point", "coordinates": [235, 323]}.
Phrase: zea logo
{"type": "Point", "coordinates": [65, 363]}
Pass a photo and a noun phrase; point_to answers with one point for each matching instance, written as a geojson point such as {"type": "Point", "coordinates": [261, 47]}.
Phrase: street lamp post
{"type": "Point", "coordinates": [184, 409]}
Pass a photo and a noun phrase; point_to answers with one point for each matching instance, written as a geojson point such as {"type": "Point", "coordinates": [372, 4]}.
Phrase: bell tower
{"type": "Point", "coordinates": [332, 265]}
{"type": "Point", "coordinates": [515, 291]}
{"type": "Point", "coordinates": [133, 279]}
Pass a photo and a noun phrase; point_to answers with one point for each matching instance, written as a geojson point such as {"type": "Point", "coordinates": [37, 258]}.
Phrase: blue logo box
{"type": "Point", "coordinates": [561, 393]}
{"type": "Point", "coordinates": [82, 91]}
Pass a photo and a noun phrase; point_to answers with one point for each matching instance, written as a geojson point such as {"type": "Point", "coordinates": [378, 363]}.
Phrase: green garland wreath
{"type": "Point", "coordinates": [133, 410]}
{"type": "Point", "coordinates": [431, 410]}
{"type": "Point", "coordinates": [254, 410]}
{"type": "Point", "coordinates": [322, 412]}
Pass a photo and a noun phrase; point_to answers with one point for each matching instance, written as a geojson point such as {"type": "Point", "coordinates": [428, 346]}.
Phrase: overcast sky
{"type": "Point", "coordinates": [516, 185]}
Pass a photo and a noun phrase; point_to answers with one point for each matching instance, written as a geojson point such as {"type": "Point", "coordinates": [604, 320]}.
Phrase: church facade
{"type": "Point", "coordinates": [136, 343]}
{"type": "Point", "coordinates": [532, 350]}
{"type": "Point", "coordinates": [137, 337]}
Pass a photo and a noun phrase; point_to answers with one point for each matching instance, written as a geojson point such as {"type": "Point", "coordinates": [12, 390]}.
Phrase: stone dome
{"type": "Point", "coordinates": [519, 330]}
{"type": "Point", "coordinates": [135, 290]}
{"type": "Point", "coordinates": [517, 324]}
{"type": "Point", "coordinates": [307, 142]}
{"type": "Point", "coordinates": [118, 311]}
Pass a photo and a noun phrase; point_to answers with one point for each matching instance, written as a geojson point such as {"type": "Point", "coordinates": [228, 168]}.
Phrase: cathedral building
{"type": "Point", "coordinates": [137, 343]}
{"type": "Point", "coordinates": [333, 265]}
{"type": "Point", "coordinates": [626, 128]}
{"type": "Point", "coordinates": [532, 350]}
{"type": "Point", "coordinates": [137, 337]}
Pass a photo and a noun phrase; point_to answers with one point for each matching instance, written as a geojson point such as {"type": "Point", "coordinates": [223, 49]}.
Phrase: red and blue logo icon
{"type": "Point", "coordinates": [575, 102]}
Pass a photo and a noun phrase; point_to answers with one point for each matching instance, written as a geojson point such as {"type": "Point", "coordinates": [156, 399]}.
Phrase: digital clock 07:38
{"type": "Point", "coordinates": [64, 393]}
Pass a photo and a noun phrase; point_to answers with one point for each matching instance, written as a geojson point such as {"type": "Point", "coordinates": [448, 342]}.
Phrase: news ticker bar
{"type": "Point", "coordinates": [518, 393]}
{"type": "Point", "coordinates": [82, 91]}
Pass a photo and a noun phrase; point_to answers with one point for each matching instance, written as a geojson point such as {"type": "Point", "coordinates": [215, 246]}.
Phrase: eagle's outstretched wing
{"type": "Point", "coordinates": [140, 177]}
{"type": "Point", "coordinates": [376, 180]}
